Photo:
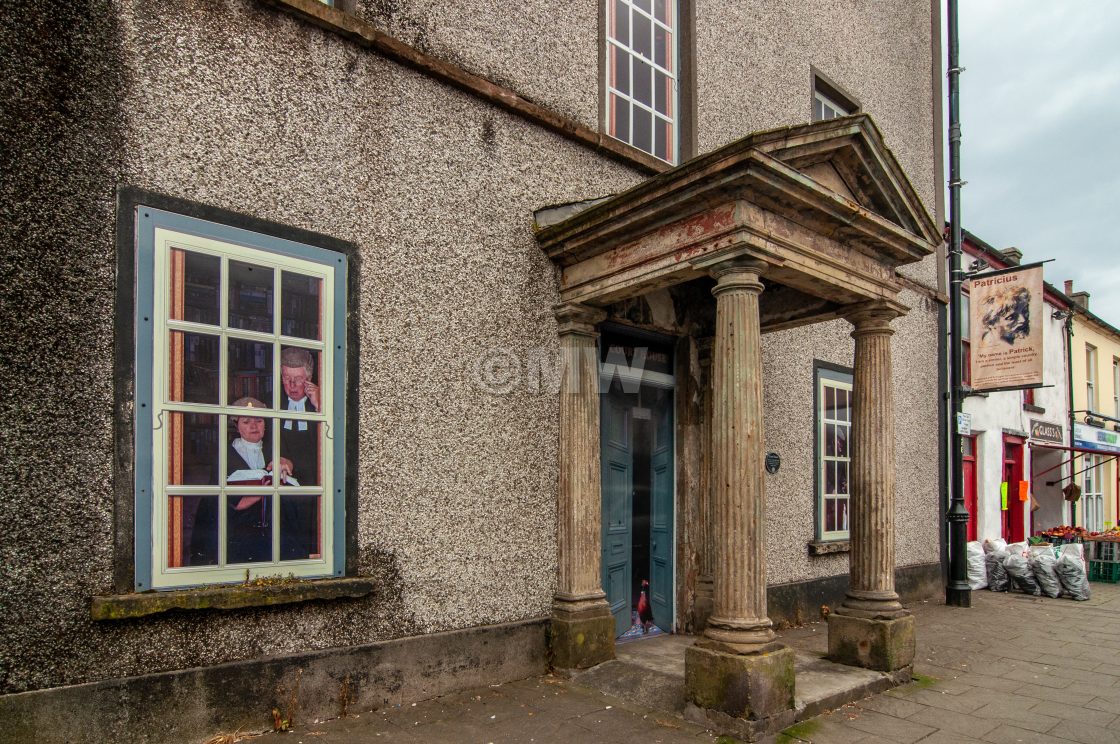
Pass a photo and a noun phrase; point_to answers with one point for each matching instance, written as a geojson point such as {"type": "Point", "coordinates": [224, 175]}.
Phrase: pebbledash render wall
{"type": "Point", "coordinates": [242, 106]}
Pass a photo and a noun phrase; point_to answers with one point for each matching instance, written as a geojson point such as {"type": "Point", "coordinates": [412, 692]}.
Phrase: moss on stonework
{"type": "Point", "coordinates": [799, 732]}
{"type": "Point", "coordinates": [922, 681]}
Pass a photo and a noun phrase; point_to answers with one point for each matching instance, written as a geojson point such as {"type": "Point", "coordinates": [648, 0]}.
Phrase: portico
{"type": "Point", "coordinates": [794, 226]}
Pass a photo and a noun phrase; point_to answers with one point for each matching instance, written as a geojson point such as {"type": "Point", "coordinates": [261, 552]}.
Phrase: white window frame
{"type": "Point", "coordinates": [1115, 387]}
{"type": "Point", "coordinates": [825, 108]}
{"type": "Point", "coordinates": [1092, 496]}
{"type": "Point", "coordinates": [672, 118]}
{"type": "Point", "coordinates": [827, 378]}
{"type": "Point", "coordinates": [1091, 377]}
{"type": "Point", "coordinates": [159, 232]}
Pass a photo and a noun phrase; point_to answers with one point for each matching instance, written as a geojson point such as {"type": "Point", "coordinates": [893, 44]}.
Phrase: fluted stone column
{"type": "Point", "coordinates": [737, 670]}
{"type": "Point", "coordinates": [871, 628]}
{"type": "Point", "coordinates": [705, 584]}
{"type": "Point", "coordinates": [582, 625]}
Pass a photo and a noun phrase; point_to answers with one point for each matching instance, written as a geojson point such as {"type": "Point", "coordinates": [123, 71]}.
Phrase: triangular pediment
{"type": "Point", "coordinates": [848, 156]}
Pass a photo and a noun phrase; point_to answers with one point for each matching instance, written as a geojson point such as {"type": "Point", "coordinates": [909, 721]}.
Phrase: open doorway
{"type": "Point", "coordinates": [637, 502]}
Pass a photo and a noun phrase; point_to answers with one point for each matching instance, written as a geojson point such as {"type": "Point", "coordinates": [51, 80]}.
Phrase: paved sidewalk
{"type": "Point", "coordinates": [1013, 668]}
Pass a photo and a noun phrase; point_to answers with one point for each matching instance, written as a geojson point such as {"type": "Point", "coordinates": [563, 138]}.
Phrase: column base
{"type": "Point", "coordinates": [583, 638]}
{"type": "Point", "coordinates": [885, 645]}
{"type": "Point", "coordinates": [753, 686]}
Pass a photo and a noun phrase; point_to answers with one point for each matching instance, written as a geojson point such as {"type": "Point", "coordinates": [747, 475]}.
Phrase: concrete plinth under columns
{"type": "Point", "coordinates": [885, 645]}
{"type": "Point", "coordinates": [582, 639]}
{"type": "Point", "coordinates": [748, 694]}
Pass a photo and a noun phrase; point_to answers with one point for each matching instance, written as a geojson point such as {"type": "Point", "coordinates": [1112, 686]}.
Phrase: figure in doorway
{"type": "Point", "coordinates": [645, 611]}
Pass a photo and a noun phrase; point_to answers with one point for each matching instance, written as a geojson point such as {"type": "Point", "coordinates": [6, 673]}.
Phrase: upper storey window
{"type": "Point", "coordinates": [829, 102]}
{"type": "Point", "coordinates": [642, 65]}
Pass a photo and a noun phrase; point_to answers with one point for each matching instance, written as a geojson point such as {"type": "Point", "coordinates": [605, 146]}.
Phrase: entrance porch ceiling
{"type": "Point", "coordinates": [825, 205]}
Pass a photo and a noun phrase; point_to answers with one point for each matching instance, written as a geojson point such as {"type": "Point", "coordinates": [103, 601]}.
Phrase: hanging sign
{"type": "Point", "coordinates": [1006, 318]}
{"type": "Point", "coordinates": [1044, 431]}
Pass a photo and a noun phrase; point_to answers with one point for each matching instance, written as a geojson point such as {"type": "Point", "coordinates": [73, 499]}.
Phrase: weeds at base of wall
{"type": "Point", "coordinates": [284, 721]}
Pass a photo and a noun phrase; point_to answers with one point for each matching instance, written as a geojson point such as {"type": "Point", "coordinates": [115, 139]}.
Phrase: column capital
{"type": "Point", "coordinates": [575, 318]}
{"type": "Point", "coordinates": [874, 316]}
{"type": "Point", "coordinates": [740, 273]}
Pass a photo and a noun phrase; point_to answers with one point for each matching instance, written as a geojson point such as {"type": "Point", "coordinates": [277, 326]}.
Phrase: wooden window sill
{"type": "Point", "coordinates": [829, 547]}
{"type": "Point", "coordinates": [227, 597]}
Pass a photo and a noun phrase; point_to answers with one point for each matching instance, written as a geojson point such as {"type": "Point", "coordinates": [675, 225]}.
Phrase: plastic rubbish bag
{"type": "Point", "coordinates": [998, 581]}
{"type": "Point", "coordinates": [1042, 564]}
{"type": "Point", "coordinates": [1071, 572]}
{"type": "Point", "coordinates": [1076, 549]}
{"type": "Point", "coordinates": [1019, 548]}
{"type": "Point", "coordinates": [977, 571]}
{"type": "Point", "coordinates": [1021, 574]}
{"type": "Point", "coordinates": [992, 545]}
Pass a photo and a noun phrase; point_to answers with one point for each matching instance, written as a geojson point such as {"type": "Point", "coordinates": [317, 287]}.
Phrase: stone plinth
{"type": "Point", "coordinates": [885, 645]}
{"type": "Point", "coordinates": [579, 640]}
{"type": "Point", "coordinates": [748, 694]}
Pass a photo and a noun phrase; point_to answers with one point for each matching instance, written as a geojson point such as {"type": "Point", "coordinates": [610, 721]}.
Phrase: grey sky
{"type": "Point", "coordinates": [1040, 146]}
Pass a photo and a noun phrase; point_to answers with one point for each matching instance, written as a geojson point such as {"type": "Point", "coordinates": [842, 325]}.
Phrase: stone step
{"type": "Point", "coordinates": [650, 673]}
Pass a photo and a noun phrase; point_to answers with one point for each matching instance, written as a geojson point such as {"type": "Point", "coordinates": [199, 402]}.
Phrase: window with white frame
{"type": "Point", "coordinates": [828, 101]}
{"type": "Point", "coordinates": [1090, 377]}
{"type": "Point", "coordinates": [240, 354]}
{"type": "Point", "coordinates": [834, 457]}
{"type": "Point", "coordinates": [1116, 387]}
{"type": "Point", "coordinates": [642, 73]}
{"type": "Point", "coordinates": [1092, 494]}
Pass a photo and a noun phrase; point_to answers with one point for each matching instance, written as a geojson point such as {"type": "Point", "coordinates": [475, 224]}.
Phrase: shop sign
{"type": "Point", "coordinates": [1045, 431]}
{"type": "Point", "coordinates": [1006, 318]}
{"type": "Point", "coordinates": [1090, 437]}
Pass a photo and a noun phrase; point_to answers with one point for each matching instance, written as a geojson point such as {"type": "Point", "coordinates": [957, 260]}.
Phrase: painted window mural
{"type": "Point", "coordinates": [245, 401]}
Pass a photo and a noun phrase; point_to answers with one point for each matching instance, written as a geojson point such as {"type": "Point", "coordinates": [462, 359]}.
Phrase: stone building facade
{"type": "Point", "coordinates": [432, 171]}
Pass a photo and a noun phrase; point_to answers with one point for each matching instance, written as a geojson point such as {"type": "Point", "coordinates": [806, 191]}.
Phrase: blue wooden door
{"type": "Point", "coordinates": [617, 491]}
{"type": "Point", "coordinates": [661, 510]}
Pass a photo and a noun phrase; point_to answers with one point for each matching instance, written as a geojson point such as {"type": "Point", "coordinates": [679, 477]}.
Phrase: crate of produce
{"type": "Point", "coordinates": [1106, 571]}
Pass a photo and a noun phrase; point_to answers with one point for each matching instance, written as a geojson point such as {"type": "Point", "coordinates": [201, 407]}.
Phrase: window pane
{"type": "Point", "coordinates": [250, 297]}
{"type": "Point", "coordinates": [830, 440]}
{"type": "Point", "coordinates": [967, 446]}
{"type": "Point", "coordinates": [621, 20]}
{"type": "Point", "coordinates": [250, 372]}
{"type": "Point", "coordinates": [642, 43]}
{"type": "Point", "coordinates": [195, 283]}
{"type": "Point", "coordinates": [301, 444]}
{"type": "Point", "coordinates": [248, 528]}
{"type": "Point", "coordinates": [842, 515]}
{"type": "Point", "coordinates": [620, 118]}
{"type": "Point", "coordinates": [830, 515]}
{"type": "Point", "coordinates": [192, 456]}
{"type": "Point", "coordinates": [661, 139]}
{"type": "Point", "coordinates": [818, 110]}
{"type": "Point", "coordinates": [646, 5]}
{"type": "Point", "coordinates": [663, 93]}
{"type": "Point", "coordinates": [829, 402]}
{"type": "Point", "coordinates": [300, 527]}
{"type": "Point", "coordinates": [663, 47]}
{"type": "Point", "coordinates": [663, 11]}
{"type": "Point", "coordinates": [842, 477]}
{"type": "Point", "coordinates": [301, 305]}
{"type": "Point", "coordinates": [643, 130]}
{"type": "Point", "coordinates": [830, 477]}
{"type": "Point", "coordinates": [966, 317]}
{"type": "Point", "coordinates": [643, 86]}
{"type": "Point", "coordinates": [620, 70]}
{"type": "Point", "coordinates": [192, 531]}
{"type": "Point", "coordinates": [192, 368]}
{"type": "Point", "coordinates": [843, 405]}
{"type": "Point", "coordinates": [249, 452]}
{"type": "Point", "coordinates": [842, 441]}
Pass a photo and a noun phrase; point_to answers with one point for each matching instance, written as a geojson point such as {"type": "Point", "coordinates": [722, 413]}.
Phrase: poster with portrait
{"type": "Point", "coordinates": [1006, 320]}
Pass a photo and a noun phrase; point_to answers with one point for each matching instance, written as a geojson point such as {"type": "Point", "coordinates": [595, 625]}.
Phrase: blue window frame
{"type": "Point", "coordinates": [229, 321]}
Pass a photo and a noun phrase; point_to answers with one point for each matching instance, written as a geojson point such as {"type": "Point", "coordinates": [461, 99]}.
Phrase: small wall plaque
{"type": "Point", "coordinates": [773, 462]}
